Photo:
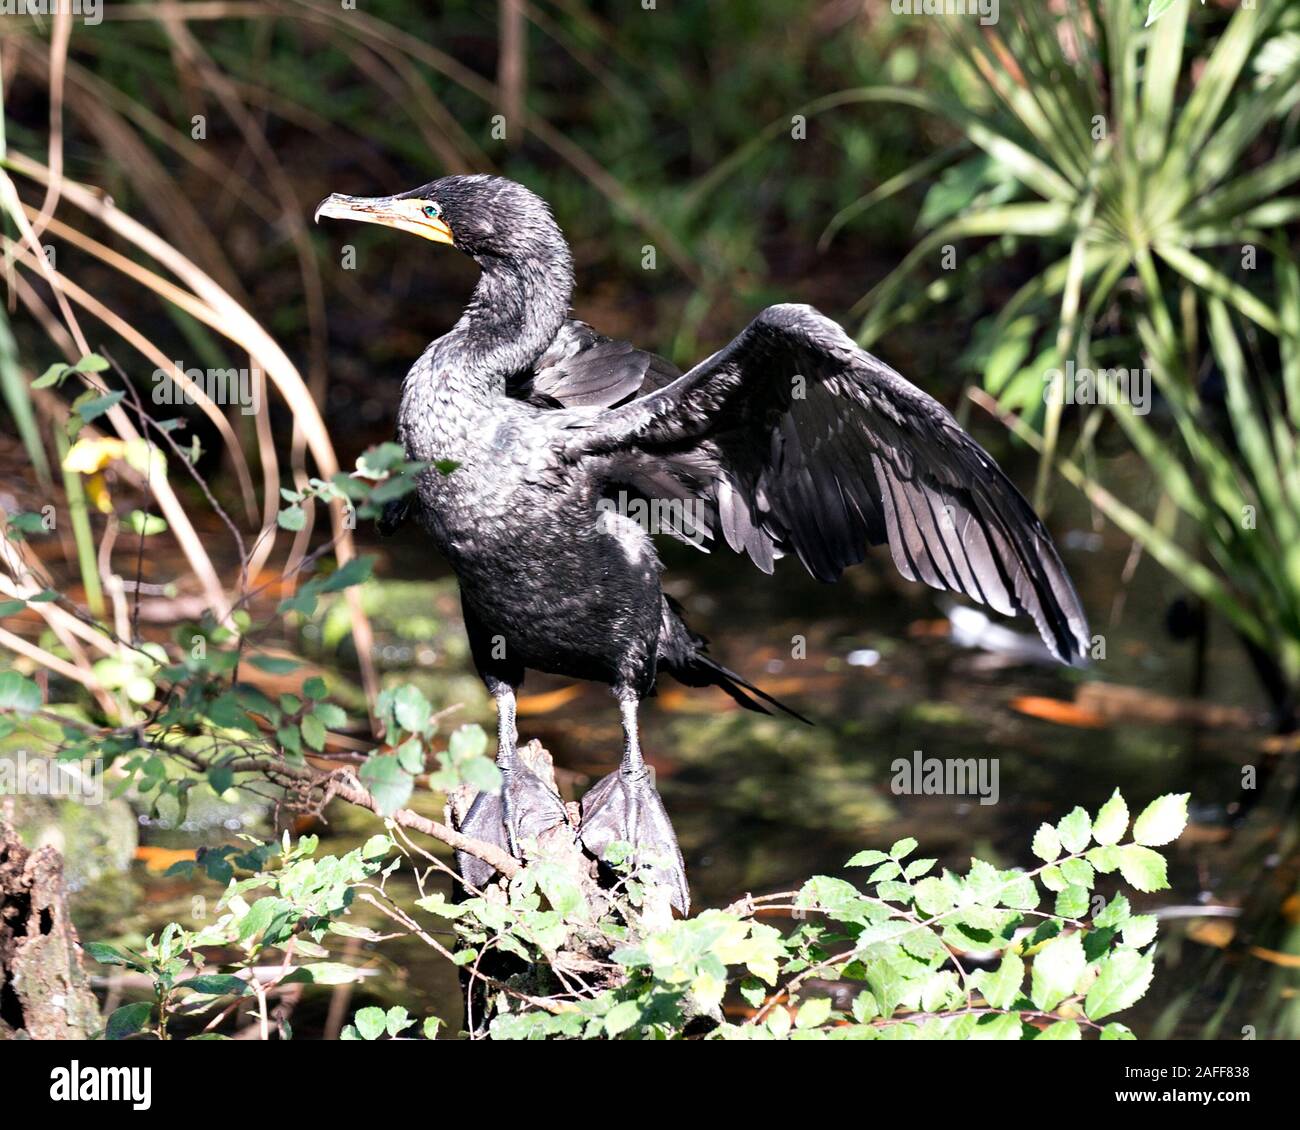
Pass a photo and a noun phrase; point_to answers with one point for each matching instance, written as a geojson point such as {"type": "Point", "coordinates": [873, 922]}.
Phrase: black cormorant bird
{"type": "Point", "coordinates": [790, 440]}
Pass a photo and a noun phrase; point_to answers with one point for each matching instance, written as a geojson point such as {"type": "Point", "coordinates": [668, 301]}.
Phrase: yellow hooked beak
{"type": "Point", "coordinates": [419, 217]}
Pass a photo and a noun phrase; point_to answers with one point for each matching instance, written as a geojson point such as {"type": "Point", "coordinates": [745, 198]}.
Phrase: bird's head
{"type": "Point", "coordinates": [488, 218]}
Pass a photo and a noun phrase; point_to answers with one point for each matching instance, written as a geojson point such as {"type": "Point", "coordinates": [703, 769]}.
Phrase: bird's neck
{"type": "Point", "coordinates": [517, 309]}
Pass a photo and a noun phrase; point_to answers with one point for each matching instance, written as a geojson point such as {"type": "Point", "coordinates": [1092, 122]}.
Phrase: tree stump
{"type": "Point", "coordinates": [44, 991]}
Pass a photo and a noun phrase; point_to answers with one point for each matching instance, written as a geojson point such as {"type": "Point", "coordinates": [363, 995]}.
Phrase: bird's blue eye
{"type": "Point", "coordinates": [432, 211]}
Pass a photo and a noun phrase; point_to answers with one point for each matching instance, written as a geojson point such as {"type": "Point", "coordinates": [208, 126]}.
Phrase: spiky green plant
{"type": "Point", "coordinates": [1145, 166]}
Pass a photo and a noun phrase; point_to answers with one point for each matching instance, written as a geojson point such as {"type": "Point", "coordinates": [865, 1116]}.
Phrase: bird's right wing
{"type": "Point", "coordinates": [805, 443]}
{"type": "Point", "coordinates": [583, 369]}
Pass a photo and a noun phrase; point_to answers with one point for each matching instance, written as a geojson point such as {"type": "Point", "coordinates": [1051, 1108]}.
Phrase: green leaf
{"type": "Point", "coordinates": [934, 895]}
{"type": "Point", "coordinates": [397, 1020]}
{"type": "Point", "coordinates": [918, 867]}
{"type": "Point", "coordinates": [411, 709]}
{"type": "Point", "coordinates": [289, 737]}
{"type": "Point", "coordinates": [1061, 1030]}
{"type": "Point", "coordinates": [1104, 858]}
{"type": "Point", "coordinates": [1072, 902]}
{"type": "Point", "coordinates": [1117, 1031]}
{"type": "Point", "coordinates": [1052, 878]}
{"type": "Point", "coordinates": [291, 518]}
{"type": "Point", "coordinates": [313, 732]}
{"type": "Point", "coordinates": [1162, 821]}
{"type": "Point", "coordinates": [1078, 872]}
{"type": "Point", "coordinates": [351, 573]}
{"type": "Point", "coordinates": [560, 888]}
{"type": "Point", "coordinates": [376, 847]}
{"type": "Point", "coordinates": [314, 688]}
{"type": "Point", "coordinates": [410, 754]}
{"type": "Point", "coordinates": [370, 1022]}
{"type": "Point", "coordinates": [216, 985]}
{"type": "Point", "coordinates": [1057, 969]}
{"type": "Point", "coordinates": [1122, 979]}
{"type": "Point", "coordinates": [1047, 844]}
{"type": "Point", "coordinates": [27, 522]}
{"type": "Point", "coordinates": [221, 778]}
{"type": "Point", "coordinates": [388, 782]}
{"type": "Point", "coordinates": [54, 375]}
{"type": "Point", "coordinates": [1143, 869]}
{"type": "Point", "coordinates": [381, 458]}
{"type": "Point", "coordinates": [105, 954]}
{"type": "Point", "coordinates": [1075, 831]}
{"type": "Point", "coordinates": [19, 694]}
{"type": "Point", "coordinates": [92, 409]}
{"type": "Point", "coordinates": [1003, 1027]}
{"type": "Point", "coordinates": [1116, 912]}
{"type": "Point", "coordinates": [1140, 930]}
{"type": "Point", "coordinates": [128, 1020]}
{"type": "Point", "coordinates": [816, 1010]}
{"type": "Point", "coordinates": [621, 1017]}
{"type": "Point", "coordinates": [466, 742]}
{"type": "Point", "coordinates": [1112, 820]}
{"type": "Point", "coordinates": [146, 524]}
{"type": "Point", "coordinates": [867, 858]}
{"type": "Point", "coordinates": [482, 774]}
{"type": "Point", "coordinates": [332, 717]}
{"type": "Point", "coordinates": [902, 848]}
{"type": "Point", "coordinates": [1001, 987]}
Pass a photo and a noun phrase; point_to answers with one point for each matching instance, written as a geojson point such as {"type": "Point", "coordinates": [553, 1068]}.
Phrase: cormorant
{"type": "Point", "coordinates": [790, 440]}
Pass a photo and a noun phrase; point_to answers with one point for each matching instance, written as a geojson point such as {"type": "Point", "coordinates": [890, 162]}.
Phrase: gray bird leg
{"type": "Point", "coordinates": [624, 807]}
{"type": "Point", "coordinates": [524, 808]}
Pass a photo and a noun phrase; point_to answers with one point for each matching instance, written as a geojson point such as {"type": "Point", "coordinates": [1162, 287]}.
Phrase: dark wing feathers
{"type": "Point", "coordinates": [803, 443]}
{"type": "Point", "coordinates": [584, 369]}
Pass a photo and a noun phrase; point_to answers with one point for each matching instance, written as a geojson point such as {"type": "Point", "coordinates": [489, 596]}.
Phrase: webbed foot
{"type": "Point", "coordinates": [625, 807]}
{"type": "Point", "coordinates": [524, 808]}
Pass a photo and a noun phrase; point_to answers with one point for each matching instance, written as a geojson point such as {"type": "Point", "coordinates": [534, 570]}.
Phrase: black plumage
{"type": "Point", "coordinates": [791, 440]}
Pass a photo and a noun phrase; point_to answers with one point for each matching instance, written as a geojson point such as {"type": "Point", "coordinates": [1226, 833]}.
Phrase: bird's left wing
{"type": "Point", "coordinates": [808, 444]}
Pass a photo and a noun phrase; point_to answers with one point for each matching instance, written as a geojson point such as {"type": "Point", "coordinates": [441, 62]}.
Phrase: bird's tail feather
{"type": "Point", "coordinates": [705, 672]}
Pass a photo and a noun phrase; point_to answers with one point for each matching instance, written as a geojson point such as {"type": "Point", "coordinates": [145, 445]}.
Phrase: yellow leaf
{"type": "Point", "coordinates": [97, 492]}
{"type": "Point", "coordinates": [90, 455]}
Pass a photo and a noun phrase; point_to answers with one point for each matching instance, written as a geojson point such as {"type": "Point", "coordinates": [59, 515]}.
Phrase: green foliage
{"type": "Point", "coordinates": [377, 1024]}
{"type": "Point", "coordinates": [917, 955]}
{"type": "Point", "coordinates": [282, 900]}
{"type": "Point", "coordinates": [186, 719]}
{"type": "Point", "coordinates": [1145, 197]}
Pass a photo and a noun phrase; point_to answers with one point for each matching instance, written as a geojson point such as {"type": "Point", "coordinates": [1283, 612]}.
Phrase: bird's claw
{"type": "Point", "coordinates": [625, 808]}
{"type": "Point", "coordinates": [524, 808]}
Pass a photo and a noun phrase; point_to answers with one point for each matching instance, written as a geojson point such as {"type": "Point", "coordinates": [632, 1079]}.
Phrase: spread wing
{"type": "Point", "coordinates": [803, 443]}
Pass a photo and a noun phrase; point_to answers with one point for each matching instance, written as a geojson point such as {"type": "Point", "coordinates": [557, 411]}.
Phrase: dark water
{"type": "Point", "coordinates": [762, 803]}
